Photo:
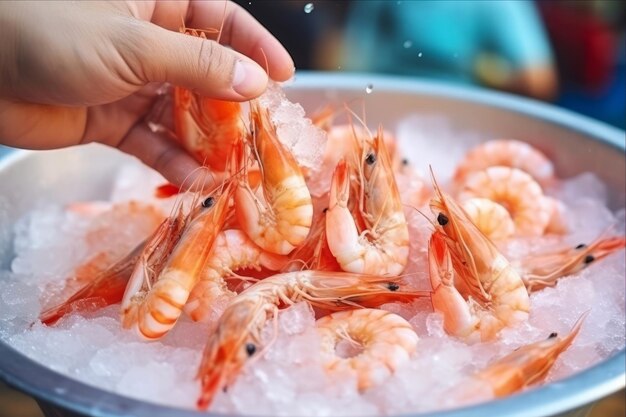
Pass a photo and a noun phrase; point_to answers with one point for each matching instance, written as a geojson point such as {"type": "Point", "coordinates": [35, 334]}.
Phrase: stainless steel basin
{"type": "Point", "coordinates": [575, 143]}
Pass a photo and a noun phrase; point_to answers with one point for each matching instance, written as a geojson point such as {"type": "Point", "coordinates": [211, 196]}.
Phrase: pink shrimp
{"type": "Point", "coordinates": [475, 287]}
{"type": "Point", "coordinates": [544, 270]}
{"type": "Point", "coordinates": [382, 246]}
{"type": "Point", "coordinates": [232, 250]}
{"type": "Point", "coordinates": [278, 215]}
{"type": "Point", "coordinates": [509, 153]}
{"type": "Point", "coordinates": [238, 334]}
{"type": "Point", "coordinates": [154, 299]}
{"type": "Point", "coordinates": [517, 191]}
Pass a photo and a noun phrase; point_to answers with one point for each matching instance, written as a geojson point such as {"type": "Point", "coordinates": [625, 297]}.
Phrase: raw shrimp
{"type": "Point", "coordinates": [544, 270]}
{"type": "Point", "coordinates": [509, 153]}
{"type": "Point", "coordinates": [491, 294]}
{"type": "Point", "coordinates": [238, 334]}
{"type": "Point", "coordinates": [383, 246]}
{"type": "Point", "coordinates": [517, 191]}
{"type": "Point", "coordinates": [232, 250]}
{"type": "Point", "coordinates": [490, 217]}
{"type": "Point", "coordinates": [383, 342]}
{"type": "Point", "coordinates": [527, 365]}
{"type": "Point", "coordinates": [205, 127]}
{"type": "Point", "coordinates": [154, 298]}
{"type": "Point", "coordinates": [314, 252]}
{"type": "Point", "coordinates": [278, 216]}
{"type": "Point", "coordinates": [108, 286]}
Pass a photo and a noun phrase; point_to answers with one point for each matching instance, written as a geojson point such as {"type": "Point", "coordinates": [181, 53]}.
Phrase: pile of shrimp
{"type": "Point", "coordinates": [341, 238]}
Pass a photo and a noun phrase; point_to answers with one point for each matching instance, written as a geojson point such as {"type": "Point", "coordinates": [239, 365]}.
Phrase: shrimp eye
{"type": "Point", "coordinates": [442, 219]}
{"type": "Point", "coordinates": [589, 259]}
{"type": "Point", "coordinates": [553, 335]}
{"type": "Point", "coordinates": [250, 349]}
{"type": "Point", "coordinates": [370, 159]}
{"type": "Point", "coordinates": [393, 286]}
{"type": "Point", "coordinates": [208, 203]}
{"type": "Point", "coordinates": [581, 246]}
{"type": "Point", "coordinates": [405, 162]}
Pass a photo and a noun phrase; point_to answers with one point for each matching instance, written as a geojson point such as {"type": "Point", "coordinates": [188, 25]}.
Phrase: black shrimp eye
{"type": "Point", "coordinates": [208, 203]}
{"type": "Point", "coordinates": [405, 162]}
{"type": "Point", "coordinates": [553, 335]}
{"type": "Point", "coordinates": [250, 349]}
{"type": "Point", "coordinates": [393, 286]}
{"type": "Point", "coordinates": [581, 246]}
{"type": "Point", "coordinates": [442, 219]}
{"type": "Point", "coordinates": [370, 159]}
{"type": "Point", "coordinates": [589, 259]}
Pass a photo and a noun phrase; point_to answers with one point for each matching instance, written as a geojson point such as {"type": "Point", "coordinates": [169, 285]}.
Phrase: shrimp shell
{"type": "Point", "coordinates": [517, 191]}
{"type": "Point", "coordinates": [490, 217]}
{"type": "Point", "coordinates": [387, 341]}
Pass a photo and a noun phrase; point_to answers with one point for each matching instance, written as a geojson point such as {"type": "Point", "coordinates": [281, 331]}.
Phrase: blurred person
{"type": "Point", "coordinates": [500, 44]}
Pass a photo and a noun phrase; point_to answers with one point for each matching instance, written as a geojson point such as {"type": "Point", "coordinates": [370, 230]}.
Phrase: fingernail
{"type": "Point", "coordinates": [249, 79]}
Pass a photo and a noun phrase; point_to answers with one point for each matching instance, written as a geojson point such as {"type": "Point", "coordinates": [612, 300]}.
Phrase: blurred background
{"type": "Point", "coordinates": [568, 52]}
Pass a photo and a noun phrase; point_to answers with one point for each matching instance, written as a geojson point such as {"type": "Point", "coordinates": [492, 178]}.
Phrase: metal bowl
{"type": "Point", "coordinates": [575, 143]}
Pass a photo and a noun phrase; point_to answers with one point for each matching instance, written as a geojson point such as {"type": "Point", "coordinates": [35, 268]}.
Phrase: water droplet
{"type": "Point", "coordinates": [339, 67]}
{"type": "Point", "coordinates": [407, 44]}
{"type": "Point", "coordinates": [369, 88]}
{"type": "Point", "coordinates": [308, 8]}
{"type": "Point", "coordinates": [419, 54]}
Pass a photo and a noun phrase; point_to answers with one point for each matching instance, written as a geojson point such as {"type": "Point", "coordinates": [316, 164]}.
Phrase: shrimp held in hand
{"type": "Point", "coordinates": [206, 127]}
{"type": "Point", "coordinates": [154, 298]}
{"type": "Point", "coordinates": [383, 247]}
{"type": "Point", "coordinates": [238, 334]}
{"type": "Point", "coordinates": [475, 287]}
{"type": "Point", "coordinates": [383, 342]}
{"type": "Point", "coordinates": [278, 215]}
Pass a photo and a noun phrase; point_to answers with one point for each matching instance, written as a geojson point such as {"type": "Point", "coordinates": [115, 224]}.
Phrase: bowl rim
{"type": "Point", "coordinates": [570, 393]}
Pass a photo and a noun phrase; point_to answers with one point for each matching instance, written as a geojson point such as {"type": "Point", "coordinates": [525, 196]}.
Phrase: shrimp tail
{"type": "Point", "coordinates": [105, 290]}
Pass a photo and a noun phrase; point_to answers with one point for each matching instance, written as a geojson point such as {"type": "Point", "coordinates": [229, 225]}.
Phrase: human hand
{"type": "Point", "coordinates": [80, 72]}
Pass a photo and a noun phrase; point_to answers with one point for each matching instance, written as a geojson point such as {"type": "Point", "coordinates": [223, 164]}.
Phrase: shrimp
{"type": "Point", "coordinates": [108, 286]}
{"type": "Point", "coordinates": [154, 298]}
{"type": "Point", "coordinates": [384, 341]}
{"type": "Point", "coordinates": [232, 250]}
{"type": "Point", "coordinates": [540, 271]}
{"type": "Point", "coordinates": [314, 253]}
{"type": "Point", "coordinates": [517, 192]}
{"type": "Point", "coordinates": [383, 247]}
{"type": "Point", "coordinates": [509, 153]}
{"type": "Point", "coordinates": [527, 365]}
{"type": "Point", "coordinates": [558, 219]}
{"type": "Point", "coordinates": [490, 217]}
{"type": "Point", "coordinates": [480, 291]}
{"type": "Point", "coordinates": [238, 334]}
{"type": "Point", "coordinates": [278, 216]}
{"type": "Point", "coordinates": [206, 127]}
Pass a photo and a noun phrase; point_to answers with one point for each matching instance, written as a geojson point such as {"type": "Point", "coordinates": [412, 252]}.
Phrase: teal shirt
{"type": "Point", "coordinates": [442, 39]}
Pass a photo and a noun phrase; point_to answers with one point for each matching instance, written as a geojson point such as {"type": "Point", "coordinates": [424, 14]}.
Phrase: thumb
{"type": "Point", "coordinates": [198, 64]}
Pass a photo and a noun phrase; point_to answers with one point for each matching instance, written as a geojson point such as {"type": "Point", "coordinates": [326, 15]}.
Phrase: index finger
{"type": "Point", "coordinates": [244, 33]}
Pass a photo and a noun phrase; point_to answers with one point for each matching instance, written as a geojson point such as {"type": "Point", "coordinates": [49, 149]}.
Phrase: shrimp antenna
{"type": "Point", "coordinates": [219, 34]}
